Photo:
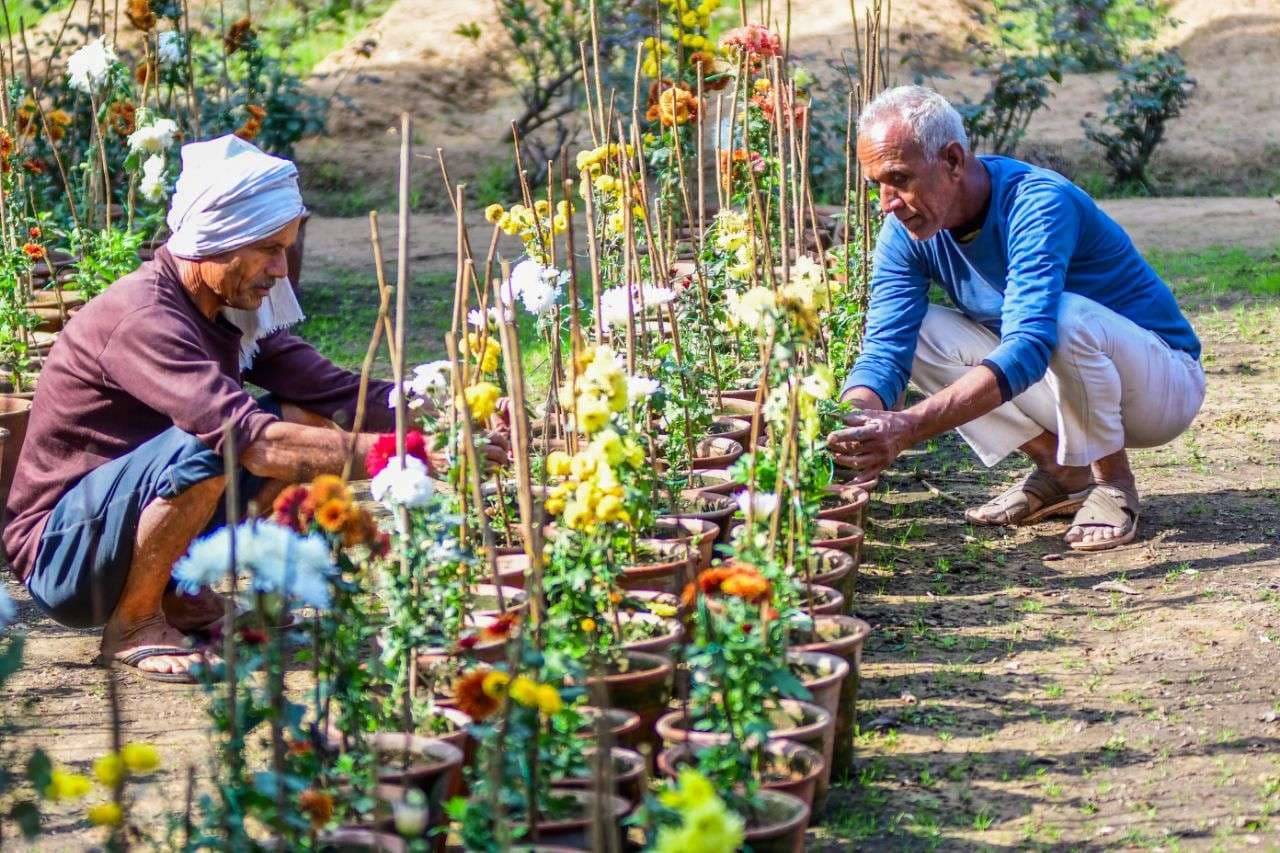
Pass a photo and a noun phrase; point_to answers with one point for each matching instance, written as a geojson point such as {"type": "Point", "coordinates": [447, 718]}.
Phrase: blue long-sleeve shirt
{"type": "Point", "coordinates": [1042, 235]}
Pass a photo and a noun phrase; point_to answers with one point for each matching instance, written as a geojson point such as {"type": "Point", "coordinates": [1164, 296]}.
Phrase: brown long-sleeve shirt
{"type": "Point", "coordinates": [141, 358]}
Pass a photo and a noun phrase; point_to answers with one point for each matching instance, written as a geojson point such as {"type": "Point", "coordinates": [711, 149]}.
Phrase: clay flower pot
{"type": "Point", "coordinates": [660, 567]}
{"type": "Point", "coordinates": [663, 633]}
{"type": "Point", "coordinates": [707, 506]}
{"type": "Point", "coordinates": [801, 722]}
{"type": "Point", "coordinates": [484, 599]}
{"type": "Point", "coordinates": [790, 768]}
{"type": "Point", "coordinates": [574, 830]}
{"type": "Point", "coordinates": [639, 683]}
{"type": "Point", "coordinates": [737, 429]}
{"type": "Point", "coordinates": [822, 675]}
{"type": "Point", "coordinates": [715, 481]}
{"type": "Point", "coordinates": [826, 601]}
{"type": "Point", "coordinates": [840, 535]}
{"type": "Point", "coordinates": [844, 502]}
{"type": "Point", "coordinates": [15, 412]}
{"type": "Point", "coordinates": [699, 534]}
{"type": "Point", "coordinates": [629, 775]}
{"type": "Point", "coordinates": [623, 725]}
{"type": "Point", "coordinates": [430, 765]}
{"type": "Point", "coordinates": [716, 453]}
{"type": "Point", "coordinates": [355, 839]}
{"type": "Point", "coordinates": [777, 824]}
{"type": "Point", "coordinates": [842, 636]}
{"type": "Point", "coordinates": [832, 568]}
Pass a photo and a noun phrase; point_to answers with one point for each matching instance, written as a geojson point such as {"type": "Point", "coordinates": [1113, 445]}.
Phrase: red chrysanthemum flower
{"type": "Point", "coordinates": [415, 445]}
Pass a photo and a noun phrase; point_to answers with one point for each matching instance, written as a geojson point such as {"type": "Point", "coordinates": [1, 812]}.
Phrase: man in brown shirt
{"type": "Point", "coordinates": [122, 468]}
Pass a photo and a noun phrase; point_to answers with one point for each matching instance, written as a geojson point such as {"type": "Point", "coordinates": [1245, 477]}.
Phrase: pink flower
{"type": "Point", "coordinates": [754, 39]}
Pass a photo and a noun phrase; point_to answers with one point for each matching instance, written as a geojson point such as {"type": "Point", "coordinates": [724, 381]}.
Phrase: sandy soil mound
{"type": "Point", "coordinates": [412, 58]}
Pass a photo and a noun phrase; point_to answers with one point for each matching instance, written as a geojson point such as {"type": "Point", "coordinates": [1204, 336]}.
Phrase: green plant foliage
{"type": "Point", "coordinates": [1095, 35]}
{"type": "Point", "coordinates": [1152, 90]}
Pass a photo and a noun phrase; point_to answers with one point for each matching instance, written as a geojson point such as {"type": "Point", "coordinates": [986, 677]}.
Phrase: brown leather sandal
{"type": "Point", "coordinates": [1037, 497]}
{"type": "Point", "coordinates": [1108, 506]}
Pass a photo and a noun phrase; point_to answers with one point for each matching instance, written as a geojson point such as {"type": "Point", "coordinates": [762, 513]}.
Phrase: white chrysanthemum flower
{"type": "Point", "coordinates": [155, 137]}
{"type": "Point", "coordinates": [88, 67]}
{"type": "Point", "coordinates": [413, 400]}
{"type": "Point", "coordinates": [275, 559]}
{"type": "Point", "coordinates": [7, 609]}
{"type": "Point", "coordinates": [153, 186]}
{"type": "Point", "coordinates": [409, 486]}
{"type": "Point", "coordinates": [614, 308]}
{"type": "Point", "coordinates": [169, 49]}
{"type": "Point", "coordinates": [761, 504]}
{"type": "Point", "coordinates": [536, 286]}
{"type": "Point", "coordinates": [806, 268]}
{"type": "Point", "coordinates": [820, 384]}
{"type": "Point", "coordinates": [641, 388]}
{"type": "Point", "coordinates": [433, 376]}
{"type": "Point", "coordinates": [495, 317]}
{"type": "Point", "coordinates": [653, 296]}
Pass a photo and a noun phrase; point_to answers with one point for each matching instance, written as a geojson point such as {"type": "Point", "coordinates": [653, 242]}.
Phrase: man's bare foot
{"type": "Point", "coordinates": [190, 613]}
{"type": "Point", "coordinates": [1041, 494]}
{"type": "Point", "coordinates": [152, 646]}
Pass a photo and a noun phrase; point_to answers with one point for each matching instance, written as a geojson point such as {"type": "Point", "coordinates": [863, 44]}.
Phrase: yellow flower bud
{"type": "Point", "coordinates": [493, 212]}
{"type": "Point", "coordinates": [105, 814]}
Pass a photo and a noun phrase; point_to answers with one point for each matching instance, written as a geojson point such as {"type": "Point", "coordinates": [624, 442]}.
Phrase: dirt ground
{"type": "Point", "coordinates": [1007, 702]}
{"type": "Point", "coordinates": [413, 59]}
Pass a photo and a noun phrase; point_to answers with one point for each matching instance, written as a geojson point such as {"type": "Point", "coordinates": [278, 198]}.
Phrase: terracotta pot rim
{"type": "Point", "coordinates": [799, 818]}
{"type": "Point", "coordinates": [820, 718]}
{"type": "Point", "coordinates": [620, 809]}
{"type": "Point", "coordinates": [841, 667]}
{"type": "Point", "coordinates": [776, 747]}
{"type": "Point", "coordinates": [861, 630]}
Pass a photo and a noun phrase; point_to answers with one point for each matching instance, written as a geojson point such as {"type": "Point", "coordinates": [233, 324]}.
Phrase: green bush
{"type": "Point", "coordinates": [1152, 90]}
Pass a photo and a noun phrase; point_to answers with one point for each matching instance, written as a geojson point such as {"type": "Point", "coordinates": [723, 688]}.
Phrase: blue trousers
{"type": "Point", "coordinates": [86, 548]}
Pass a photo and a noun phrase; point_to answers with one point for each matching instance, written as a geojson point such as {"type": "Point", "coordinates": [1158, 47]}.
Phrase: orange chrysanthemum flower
{"type": "Point", "coordinates": [332, 515]}
{"type": "Point", "coordinates": [238, 35]}
{"type": "Point", "coordinates": [123, 117]}
{"type": "Point", "coordinates": [328, 487]}
{"type": "Point", "coordinates": [359, 527]}
{"type": "Point", "coordinates": [747, 584]}
{"type": "Point", "coordinates": [317, 806]}
{"type": "Point", "coordinates": [469, 693]}
{"type": "Point", "coordinates": [34, 251]}
{"type": "Point", "coordinates": [677, 107]}
{"type": "Point", "coordinates": [140, 15]}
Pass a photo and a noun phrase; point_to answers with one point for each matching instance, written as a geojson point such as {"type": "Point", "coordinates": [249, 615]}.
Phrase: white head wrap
{"type": "Point", "coordinates": [231, 194]}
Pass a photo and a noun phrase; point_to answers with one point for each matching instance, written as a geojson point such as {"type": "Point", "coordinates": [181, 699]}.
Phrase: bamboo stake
{"type": "Point", "coordinates": [375, 338]}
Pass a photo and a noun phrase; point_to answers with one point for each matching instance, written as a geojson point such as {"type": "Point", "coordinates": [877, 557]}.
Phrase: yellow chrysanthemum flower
{"type": "Point", "coordinates": [524, 690]}
{"type": "Point", "coordinates": [482, 399]}
{"type": "Point", "coordinates": [495, 684]}
{"type": "Point", "coordinates": [105, 814]}
{"type": "Point", "coordinates": [548, 699]}
{"type": "Point", "coordinates": [109, 770]}
{"type": "Point", "coordinates": [67, 786]}
{"type": "Point", "coordinates": [140, 757]}
{"type": "Point", "coordinates": [493, 213]}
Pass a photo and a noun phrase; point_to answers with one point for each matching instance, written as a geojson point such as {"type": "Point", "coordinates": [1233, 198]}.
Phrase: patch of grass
{"type": "Point", "coordinates": [306, 51]}
{"type": "Point", "coordinates": [1220, 275]}
{"type": "Point", "coordinates": [30, 11]}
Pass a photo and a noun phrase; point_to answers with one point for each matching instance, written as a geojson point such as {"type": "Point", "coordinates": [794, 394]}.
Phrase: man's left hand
{"type": "Point", "coordinates": [872, 441]}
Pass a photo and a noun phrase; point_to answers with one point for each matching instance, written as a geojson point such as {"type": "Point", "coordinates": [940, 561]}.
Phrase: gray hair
{"type": "Point", "coordinates": [933, 121]}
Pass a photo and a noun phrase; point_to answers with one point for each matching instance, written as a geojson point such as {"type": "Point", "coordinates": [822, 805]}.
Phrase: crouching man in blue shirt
{"type": "Point", "coordinates": [1063, 342]}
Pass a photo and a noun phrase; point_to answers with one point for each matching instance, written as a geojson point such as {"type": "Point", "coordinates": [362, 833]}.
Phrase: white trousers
{"type": "Point", "coordinates": [1111, 384]}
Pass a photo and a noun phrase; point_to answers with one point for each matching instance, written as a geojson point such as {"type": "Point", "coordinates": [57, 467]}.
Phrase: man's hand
{"type": "Point", "coordinates": [492, 456]}
{"type": "Point", "coordinates": [872, 441]}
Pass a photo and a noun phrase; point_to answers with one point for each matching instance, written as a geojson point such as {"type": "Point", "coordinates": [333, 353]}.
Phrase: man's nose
{"type": "Point", "coordinates": [890, 201]}
{"type": "Point", "coordinates": [278, 266]}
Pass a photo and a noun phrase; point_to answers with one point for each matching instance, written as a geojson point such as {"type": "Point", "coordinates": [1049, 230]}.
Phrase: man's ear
{"type": "Point", "coordinates": [954, 156]}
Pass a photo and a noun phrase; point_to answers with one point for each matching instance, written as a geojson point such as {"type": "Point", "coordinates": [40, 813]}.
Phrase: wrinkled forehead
{"type": "Point", "coordinates": [889, 144]}
{"type": "Point", "coordinates": [282, 239]}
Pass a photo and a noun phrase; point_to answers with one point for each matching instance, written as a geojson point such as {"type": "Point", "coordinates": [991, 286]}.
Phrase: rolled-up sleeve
{"type": "Point", "coordinates": [168, 372]}
{"type": "Point", "coordinates": [293, 370]}
{"type": "Point", "coordinates": [1044, 227]}
{"type": "Point", "coordinates": [898, 302]}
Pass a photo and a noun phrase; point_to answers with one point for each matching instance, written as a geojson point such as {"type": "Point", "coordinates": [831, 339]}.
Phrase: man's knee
{"type": "Point", "coordinates": [950, 338]}
{"type": "Point", "coordinates": [1080, 326]}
